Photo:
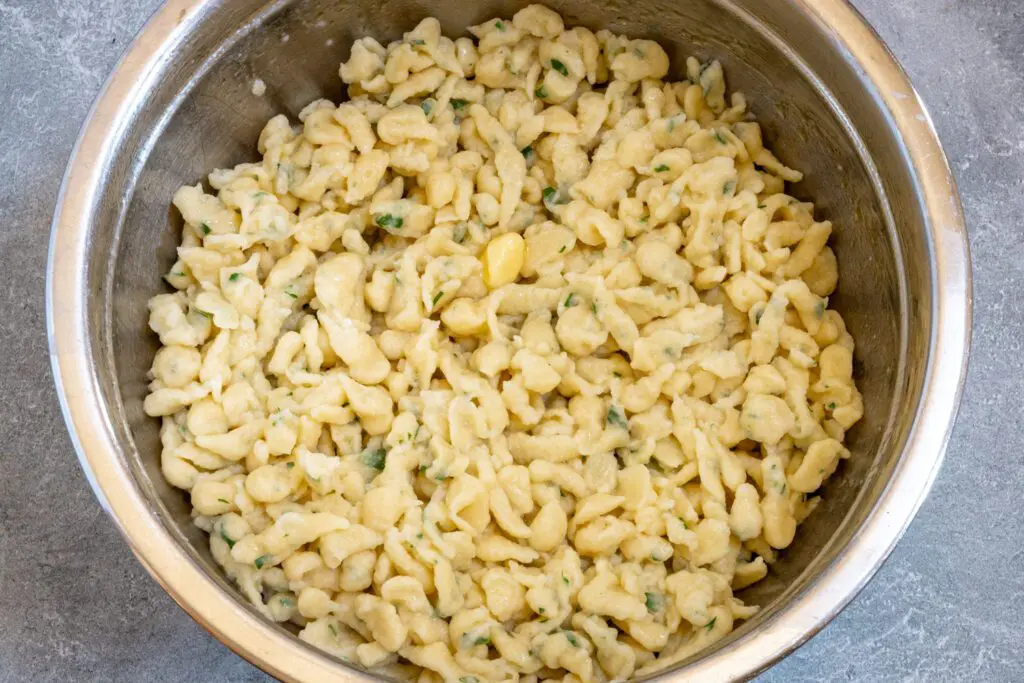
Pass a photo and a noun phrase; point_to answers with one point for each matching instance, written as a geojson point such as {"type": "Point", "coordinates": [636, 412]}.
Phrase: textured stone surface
{"type": "Point", "coordinates": [948, 605]}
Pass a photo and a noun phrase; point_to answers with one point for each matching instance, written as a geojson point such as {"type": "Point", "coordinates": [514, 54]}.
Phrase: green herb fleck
{"type": "Point", "coordinates": [386, 220]}
{"type": "Point", "coordinates": [427, 106]}
{"type": "Point", "coordinates": [542, 610]}
{"type": "Point", "coordinates": [417, 41]}
{"type": "Point", "coordinates": [333, 630]}
{"type": "Point", "coordinates": [482, 640]}
{"type": "Point", "coordinates": [638, 52]}
{"type": "Point", "coordinates": [422, 469]}
{"type": "Point", "coordinates": [419, 535]}
{"type": "Point", "coordinates": [527, 152]}
{"type": "Point", "coordinates": [458, 104]}
{"type": "Point", "coordinates": [563, 248]}
{"type": "Point", "coordinates": [227, 539]}
{"type": "Point", "coordinates": [831, 405]}
{"type": "Point", "coordinates": [459, 233]}
{"type": "Point", "coordinates": [549, 194]}
{"type": "Point", "coordinates": [570, 300]}
{"type": "Point", "coordinates": [205, 314]}
{"type": "Point", "coordinates": [593, 308]}
{"type": "Point", "coordinates": [559, 67]}
{"type": "Point", "coordinates": [289, 465]}
{"type": "Point", "coordinates": [234, 277]}
{"type": "Point", "coordinates": [728, 188]}
{"type": "Point", "coordinates": [615, 418]}
{"type": "Point", "coordinates": [375, 458]}
{"type": "Point", "coordinates": [711, 624]}
{"type": "Point", "coordinates": [437, 297]}
{"type": "Point", "coordinates": [262, 560]}
{"type": "Point", "coordinates": [819, 309]}
{"type": "Point", "coordinates": [653, 601]}
{"type": "Point", "coordinates": [757, 317]}
{"type": "Point", "coordinates": [225, 501]}
{"type": "Point", "coordinates": [660, 168]}
{"type": "Point", "coordinates": [499, 24]}
{"type": "Point", "coordinates": [205, 227]}
{"type": "Point", "coordinates": [718, 136]}
{"type": "Point", "coordinates": [573, 640]}
{"type": "Point", "coordinates": [540, 92]}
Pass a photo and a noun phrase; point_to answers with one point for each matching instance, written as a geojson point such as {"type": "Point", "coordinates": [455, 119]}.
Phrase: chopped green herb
{"type": "Point", "coordinates": [831, 405]}
{"type": "Point", "coordinates": [417, 41]}
{"type": "Point", "coordinates": [205, 227]}
{"type": "Point", "coordinates": [482, 640]}
{"type": "Point", "coordinates": [423, 468]}
{"type": "Point", "coordinates": [441, 476]}
{"type": "Point", "coordinates": [565, 579]}
{"type": "Point", "coordinates": [729, 187]}
{"type": "Point", "coordinates": [234, 277]}
{"type": "Point", "coordinates": [205, 314]}
{"type": "Point", "coordinates": [527, 152]}
{"type": "Point", "coordinates": [540, 92]}
{"type": "Point", "coordinates": [711, 624]}
{"type": "Point", "coordinates": [458, 104]}
{"type": "Point", "coordinates": [459, 233]}
{"type": "Point", "coordinates": [437, 297]}
{"type": "Point", "coordinates": [671, 124]}
{"type": "Point", "coordinates": [386, 220]}
{"type": "Point", "coordinates": [262, 560]}
{"type": "Point", "coordinates": [593, 308]}
{"type": "Point", "coordinates": [177, 274]}
{"type": "Point", "coordinates": [570, 300]}
{"type": "Point", "coordinates": [559, 67]}
{"type": "Point", "coordinates": [374, 458]}
{"type": "Point", "coordinates": [638, 52]}
{"type": "Point", "coordinates": [549, 194]}
{"type": "Point", "coordinates": [563, 248]}
{"type": "Point", "coordinates": [616, 418]}
{"type": "Point", "coordinates": [757, 317]}
{"type": "Point", "coordinates": [227, 539]}
{"type": "Point", "coordinates": [718, 136]}
{"type": "Point", "coordinates": [819, 309]}
{"type": "Point", "coordinates": [225, 501]}
{"type": "Point", "coordinates": [654, 602]}
{"type": "Point", "coordinates": [573, 640]}
{"type": "Point", "coordinates": [289, 465]}
{"type": "Point", "coordinates": [616, 373]}
{"type": "Point", "coordinates": [427, 106]}
{"type": "Point", "coordinates": [419, 535]}
{"type": "Point", "coordinates": [685, 525]}
{"type": "Point", "coordinates": [660, 168]}
{"type": "Point", "coordinates": [499, 24]}
{"type": "Point", "coordinates": [762, 206]}
{"type": "Point", "coordinates": [333, 630]}
{"type": "Point", "coordinates": [542, 610]}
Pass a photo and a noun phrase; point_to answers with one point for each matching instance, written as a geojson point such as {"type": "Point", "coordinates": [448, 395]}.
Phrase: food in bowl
{"type": "Point", "coordinates": [513, 366]}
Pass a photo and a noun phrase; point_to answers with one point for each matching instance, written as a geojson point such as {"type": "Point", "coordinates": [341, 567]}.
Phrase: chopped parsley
{"type": "Point", "coordinates": [565, 579]}
{"type": "Point", "coordinates": [418, 41]}
{"type": "Point", "coordinates": [227, 539]}
{"type": "Point", "coordinates": [427, 106]}
{"type": "Point", "coordinates": [719, 137]}
{"type": "Point", "coordinates": [711, 624]}
{"type": "Point", "coordinates": [573, 640]}
{"type": "Point", "coordinates": [437, 297]}
{"type": "Point", "coordinates": [289, 292]}
{"type": "Point", "coordinates": [333, 630]}
{"type": "Point", "coordinates": [549, 194]}
{"type": "Point", "coordinates": [615, 418]}
{"type": "Point", "coordinates": [540, 92]}
{"type": "Point", "coordinates": [459, 233]}
{"type": "Point", "coordinates": [225, 501]}
{"type": "Point", "coordinates": [205, 227]}
{"type": "Point", "coordinates": [559, 67]}
{"type": "Point", "coordinates": [831, 405]}
{"type": "Point", "coordinates": [728, 188]}
{"type": "Point", "coordinates": [386, 220]}
{"type": "Point", "coordinates": [234, 277]}
{"type": "Point", "coordinates": [570, 300]}
{"type": "Point", "coordinates": [655, 602]}
{"type": "Point", "coordinates": [527, 152]}
{"type": "Point", "coordinates": [374, 458]}
{"type": "Point", "coordinates": [262, 560]}
{"type": "Point", "coordinates": [563, 248]}
{"type": "Point", "coordinates": [660, 168]}
{"type": "Point", "coordinates": [593, 308]}
{"type": "Point", "coordinates": [482, 640]}
{"type": "Point", "coordinates": [499, 24]}
{"type": "Point", "coordinates": [458, 104]}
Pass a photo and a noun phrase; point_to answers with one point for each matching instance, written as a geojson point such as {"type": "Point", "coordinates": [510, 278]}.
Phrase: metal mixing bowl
{"type": "Point", "coordinates": [833, 103]}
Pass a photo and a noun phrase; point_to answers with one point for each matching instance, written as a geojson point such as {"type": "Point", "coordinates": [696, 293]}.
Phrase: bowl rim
{"type": "Point", "coordinates": [279, 653]}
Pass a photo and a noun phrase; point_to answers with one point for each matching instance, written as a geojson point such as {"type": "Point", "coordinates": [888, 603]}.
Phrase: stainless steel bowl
{"type": "Point", "coordinates": [833, 102]}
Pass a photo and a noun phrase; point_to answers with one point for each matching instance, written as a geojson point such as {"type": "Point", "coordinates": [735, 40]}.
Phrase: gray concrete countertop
{"type": "Point", "coordinates": [948, 605]}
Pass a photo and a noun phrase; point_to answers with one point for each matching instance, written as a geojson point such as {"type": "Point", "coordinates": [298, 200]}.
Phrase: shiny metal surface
{"type": "Point", "coordinates": [833, 103]}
